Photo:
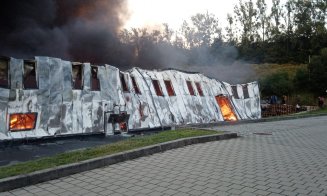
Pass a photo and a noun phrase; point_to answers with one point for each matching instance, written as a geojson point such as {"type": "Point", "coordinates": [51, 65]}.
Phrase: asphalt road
{"type": "Point", "coordinates": [11, 154]}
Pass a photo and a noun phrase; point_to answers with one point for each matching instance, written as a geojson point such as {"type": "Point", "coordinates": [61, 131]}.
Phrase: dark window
{"type": "Point", "coordinates": [4, 81]}
{"type": "Point", "coordinates": [198, 86]}
{"type": "Point", "coordinates": [136, 88]}
{"type": "Point", "coordinates": [245, 92]}
{"type": "Point", "coordinates": [123, 83]}
{"type": "Point", "coordinates": [169, 88]}
{"type": "Point", "coordinates": [30, 75]}
{"type": "Point", "coordinates": [157, 87]}
{"type": "Point", "coordinates": [77, 76]}
{"type": "Point", "coordinates": [190, 87]}
{"type": "Point", "coordinates": [95, 83]}
{"type": "Point", "coordinates": [234, 90]}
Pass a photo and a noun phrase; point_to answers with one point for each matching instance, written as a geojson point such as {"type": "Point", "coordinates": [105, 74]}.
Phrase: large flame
{"type": "Point", "coordinates": [19, 122]}
{"type": "Point", "coordinates": [226, 108]}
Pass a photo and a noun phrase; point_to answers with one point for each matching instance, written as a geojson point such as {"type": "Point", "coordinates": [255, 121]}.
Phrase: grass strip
{"type": "Point", "coordinates": [108, 149]}
{"type": "Point", "coordinates": [319, 111]}
{"type": "Point", "coordinates": [310, 113]}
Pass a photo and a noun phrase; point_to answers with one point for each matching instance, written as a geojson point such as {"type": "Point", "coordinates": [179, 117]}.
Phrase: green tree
{"type": "Point", "coordinates": [301, 80]}
{"type": "Point", "coordinates": [275, 15]}
{"type": "Point", "coordinates": [202, 30]}
{"type": "Point", "coordinates": [262, 17]}
{"type": "Point", "coordinates": [230, 34]}
{"type": "Point", "coordinates": [318, 73]}
{"type": "Point", "coordinates": [278, 84]}
{"type": "Point", "coordinates": [246, 15]}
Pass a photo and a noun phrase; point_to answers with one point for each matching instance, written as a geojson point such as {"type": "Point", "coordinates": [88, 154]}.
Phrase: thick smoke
{"type": "Point", "coordinates": [80, 30]}
{"type": "Point", "coordinates": [89, 31]}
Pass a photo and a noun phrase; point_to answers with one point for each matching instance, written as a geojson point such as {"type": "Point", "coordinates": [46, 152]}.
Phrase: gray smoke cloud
{"type": "Point", "coordinates": [81, 30]}
{"type": "Point", "coordinates": [88, 31]}
{"type": "Point", "coordinates": [223, 66]}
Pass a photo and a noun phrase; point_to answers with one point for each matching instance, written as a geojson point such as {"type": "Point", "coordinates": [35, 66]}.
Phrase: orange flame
{"type": "Point", "coordinates": [226, 109]}
{"type": "Point", "coordinates": [123, 126]}
{"type": "Point", "coordinates": [19, 122]}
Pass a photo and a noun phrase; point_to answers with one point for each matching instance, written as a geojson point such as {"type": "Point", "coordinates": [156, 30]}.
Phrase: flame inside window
{"type": "Point", "coordinates": [21, 122]}
{"type": "Point", "coordinates": [226, 108]}
{"type": "Point", "coordinates": [123, 126]}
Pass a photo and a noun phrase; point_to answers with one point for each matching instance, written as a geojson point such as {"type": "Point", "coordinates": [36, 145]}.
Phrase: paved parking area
{"type": "Point", "coordinates": [284, 158]}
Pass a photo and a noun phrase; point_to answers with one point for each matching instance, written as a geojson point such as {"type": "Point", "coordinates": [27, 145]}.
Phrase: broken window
{"type": "Point", "coordinates": [30, 74]}
{"type": "Point", "coordinates": [4, 81]}
{"type": "Point", "coordinates": [245, 91]}
{"type": "Point", "coordinates": [157, 87]}
{"type": "Point", "coordinates": [199, 88]}
{"type": "Point", "coordinates": [234, 91]}
{"type": "Point", "coordinates": [226, 108]}
{"type": "Point", "coordinates": [123, 83]}
{"type": "Point", "coordinates": [77, 75]}
{"type": "Point", "coordinates": [95, 83]}
{"type": "Point", "coordinates": [169, 88]}
{"type": "Point", "coordinates": [136, 88]}
{"type": "Point", "coordinates": [190, 87]}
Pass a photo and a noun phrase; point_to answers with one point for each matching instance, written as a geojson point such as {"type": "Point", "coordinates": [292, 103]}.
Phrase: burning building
{"type": "Point", "coordinates": [50, 97]}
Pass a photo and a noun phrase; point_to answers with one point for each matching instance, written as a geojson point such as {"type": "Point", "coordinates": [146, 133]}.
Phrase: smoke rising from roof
{"type": "Point", "coordinates": [89, 31]}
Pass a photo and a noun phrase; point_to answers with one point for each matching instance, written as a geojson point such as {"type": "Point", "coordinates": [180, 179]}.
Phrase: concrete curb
{"type": "Point", "coordinates": [14, 182]}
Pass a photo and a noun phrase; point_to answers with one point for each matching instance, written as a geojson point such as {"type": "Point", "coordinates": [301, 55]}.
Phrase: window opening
{"type": "Point", "coordinates": [95, 83]}
{"type": "Point", "coordinates": [135, 86]}
{"type": "Point", "coordinates": [22, 122]}
{"type": "Point", "coordinates": [4, 79]}
{"type": "Point", "coordinates": [190, 87]}
{"type": "Point", "coordinates": [77, 76]}
{"type": "Point", "coordinates": [169, 88]}
{"type": "Point", "coordinates": [226, 108]}
{"type": "Point", "coordinates": [123, 82]}
{"type": "Point", "coordinates": [245, 91]}
{"type": "Point", "coordinates": [199, 88]}
{"type": "Point", "coordinates": [30, 75]}
{"type": "Point", "coordinates": [234, 91]}
{"type": "Point", "coordinates": [157, 87]}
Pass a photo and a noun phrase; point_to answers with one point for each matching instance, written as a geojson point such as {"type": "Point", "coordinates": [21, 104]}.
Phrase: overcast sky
{"type": "Point", "coordinates": [146, 13]}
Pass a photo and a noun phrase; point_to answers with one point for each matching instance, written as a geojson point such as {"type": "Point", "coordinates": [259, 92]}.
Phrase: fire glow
{"type": "Point", "coordinates": [226, 108]}
{"type": "Point", "coordinates": [20, 122]}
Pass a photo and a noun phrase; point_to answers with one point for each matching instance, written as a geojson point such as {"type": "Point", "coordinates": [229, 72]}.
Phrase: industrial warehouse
{"type": "Point", "coordinates": [47, 97]}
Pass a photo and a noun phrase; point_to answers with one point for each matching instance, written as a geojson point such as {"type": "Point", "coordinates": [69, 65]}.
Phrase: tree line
{"type": "Point", "coordinates": [280, 33]}
{"type": "Point", "coordinates": [290, 32]}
